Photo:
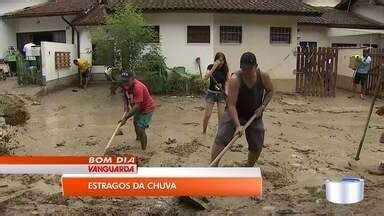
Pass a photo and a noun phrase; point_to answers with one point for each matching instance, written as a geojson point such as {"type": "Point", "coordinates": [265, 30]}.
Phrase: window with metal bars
{"type": "Point", "coordinates": [280, 35]}
{"type": "Point", "coordinates": [343, 45]}
{"type": "Point", "coordinates": [230, 34]}
{"type": "Point", "coordinates": [198, 34]}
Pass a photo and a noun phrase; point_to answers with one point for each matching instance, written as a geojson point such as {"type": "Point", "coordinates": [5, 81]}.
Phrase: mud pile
{"type": "Point", "coordinates": [183, 150]}
{"type": "Point", "coordinates": [13, 110]}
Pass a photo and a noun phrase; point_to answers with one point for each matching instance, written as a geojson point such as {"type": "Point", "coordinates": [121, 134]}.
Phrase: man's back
{"type": "Point", "coordinates": [83, 64]}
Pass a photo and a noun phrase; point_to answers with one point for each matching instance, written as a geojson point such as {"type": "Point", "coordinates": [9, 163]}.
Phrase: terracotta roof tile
{"type": "Point", "coordinates": [54, 8]}
{"type": "Point", "coordinates": [290, 7]}
{"type": "Point", "coordinates": [95, 16]}
{"type": "Point", "coordinates": [294, 7]}
{"type": "Point", "coordinates": [339, 18]}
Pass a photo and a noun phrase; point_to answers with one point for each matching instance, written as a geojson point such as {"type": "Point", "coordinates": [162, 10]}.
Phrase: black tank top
{"type": "Point", "coordinates": [249, 99]}
{"type": "Point", "coordinates": [220, 76]}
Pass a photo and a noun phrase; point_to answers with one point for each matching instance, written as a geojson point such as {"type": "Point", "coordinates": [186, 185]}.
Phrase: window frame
{"type": "Point", "coordinates": [206, 40]}
{"type": "Point", "coordinates": [272, 31]}
{"type": "Point", "coordinates": [307, 43]}
{"type": "Point", "coordinates": [344, 45]}
{"type": "Point", "coordinates": [222, 34]}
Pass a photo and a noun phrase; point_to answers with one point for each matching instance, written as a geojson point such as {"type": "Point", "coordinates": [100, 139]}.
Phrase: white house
{"type": "Point", "coordinates": [7, 28]}
{"type": "Point", "coordinates": [187, 29]}
{"type": "Point", "coordinates": [349, 24]}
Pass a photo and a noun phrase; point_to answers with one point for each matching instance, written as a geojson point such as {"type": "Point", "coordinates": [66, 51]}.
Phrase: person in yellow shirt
{"type": "Point", "coordinates": [85, 71]}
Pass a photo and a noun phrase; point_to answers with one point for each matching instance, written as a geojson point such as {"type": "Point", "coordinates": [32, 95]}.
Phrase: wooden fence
{"type": "Point", "coordinates": [377, 67]}
{"type": "Point", "coordinates": [316, 71]}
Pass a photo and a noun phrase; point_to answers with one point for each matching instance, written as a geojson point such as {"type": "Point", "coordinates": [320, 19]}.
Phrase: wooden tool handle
{"type": "Point", "coordinates": [377, 89]}
{"type": "Point", "coordinates": [234, 139]}
{"type": "Point", "coordinates": [113, 135]}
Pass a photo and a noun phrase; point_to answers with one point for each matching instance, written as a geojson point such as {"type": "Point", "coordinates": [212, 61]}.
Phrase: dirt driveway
{"type": "Point", "coordinates": [308, 140]}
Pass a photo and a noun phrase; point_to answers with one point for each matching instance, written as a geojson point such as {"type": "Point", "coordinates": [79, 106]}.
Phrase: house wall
{"type": "Point", "coordinates": [86, 48]}
{"type": "Point", "coordinates": [326, 36]}
{"type": "Point", "coordinates": [256, 38]}
{"type": "Point", "coordinates": [358, 39]}
{"type": "Point", "coordinates": [174, 46]}
{"type": "Point", "coordinates": [40, 24]}
{"type": "Point", "coordinates": [314, 34]}
{"type": "Point", "coordinates": [48, 50]}
{"type": "Point", "coordinates": [344, 73]}
{"type": "Point", "coordinates": [7, 31]}
{"type": "Point", "coordinates": [173, 39]}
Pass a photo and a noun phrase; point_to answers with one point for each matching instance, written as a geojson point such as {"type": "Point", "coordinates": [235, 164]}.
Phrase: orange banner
{"type": "Point", "coordinates": [192, 186]}
{"type": "Point", "coordinates": [68, 160]}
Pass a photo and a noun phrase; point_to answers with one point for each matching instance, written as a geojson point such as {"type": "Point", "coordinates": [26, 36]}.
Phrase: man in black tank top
{"type": "Point", "coordinates": [249, 92]}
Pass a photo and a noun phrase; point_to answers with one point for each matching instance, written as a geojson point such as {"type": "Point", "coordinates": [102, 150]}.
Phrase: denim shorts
{"type": "Point", "coordinates": [214, 97]}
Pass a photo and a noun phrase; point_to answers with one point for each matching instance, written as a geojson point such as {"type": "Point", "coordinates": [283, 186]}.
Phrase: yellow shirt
{"type": "Point", "coordinates": [83, 65]}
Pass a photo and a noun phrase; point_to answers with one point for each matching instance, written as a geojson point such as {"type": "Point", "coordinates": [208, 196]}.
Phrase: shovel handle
{"type": "Point", "coordinates": [234, 139]}
{"type": "Point", "coordinates": [113, 135]}
{"type": "Point", "coordinates": [377, 89]}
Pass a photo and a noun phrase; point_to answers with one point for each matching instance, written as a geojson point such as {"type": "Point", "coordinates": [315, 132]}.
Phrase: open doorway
{"type": "Point", "coordinates": [38, 37]}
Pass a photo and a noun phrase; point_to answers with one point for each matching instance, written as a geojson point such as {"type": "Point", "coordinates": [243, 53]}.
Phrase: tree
{"type": "Point", "coordinates": [123, 39]}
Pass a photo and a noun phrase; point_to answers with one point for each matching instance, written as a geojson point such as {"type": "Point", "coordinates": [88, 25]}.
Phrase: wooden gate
{"type": "Point", "coordinates": [377, 67]}
{"type": "Point", "coordinates": [316, 71]}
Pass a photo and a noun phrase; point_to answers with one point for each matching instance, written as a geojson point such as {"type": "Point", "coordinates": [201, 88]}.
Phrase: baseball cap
{"type": "Point", "coordinates": [247, 60]}
{"type": "Point", "coordinates": [125, 75]}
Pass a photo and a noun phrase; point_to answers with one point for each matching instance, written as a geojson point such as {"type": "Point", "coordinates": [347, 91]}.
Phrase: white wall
{"type": "Point", "coordinates": [173, 39]}
{"type": "Point", "coordinates": [48, 50]}
{"type": "Point", "coordinates": [343, 60]}
{"type": "Point", "coordinates": [256, 39]}
{"type": "Point", "coordinates": [86, 49]}
{"type": "Point", "coordinates": [326, 36]}
{"type": "Point", "coordinates": [314, 34]}
{"type": "Point", "coordinates": [357, 39]}
{"type": "Point", "coordinates": [40, 24]}
{"type": "Point", "coordinates": [12, 5]}
{"type": "Point", "coordinates": [174, 46]}
{"type": "Point", "coordinates": [7, 36]}
{"type": "Point", "coordinates": [7, 31]}
{"type": "Point", "coordinates": [85, 44]}
{"type": "Point", "coordinates": [330, 3]}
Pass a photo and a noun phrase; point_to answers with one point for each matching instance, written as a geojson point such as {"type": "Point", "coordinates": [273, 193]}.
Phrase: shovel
{"type": "Point", "coordinates": [198, 63]}
{"type": "Point", "coordinates": [113, 135]}
{"type": "Point", "coordinates": [197, 203]}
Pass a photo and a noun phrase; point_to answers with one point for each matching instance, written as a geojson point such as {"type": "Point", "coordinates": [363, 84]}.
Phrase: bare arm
{"type": "Point", "coordinates": [209, 73]}
{"type": "Point", "coordinates": [227, 83]}
{"type": "Point", "coordinates": [135, 109]}
{"type": "Point", "coordinates": [268, 88]}
{"type": "Point", "coordinates": [233, 91]}
{"type": "Point", "coordinates": [125, 101]}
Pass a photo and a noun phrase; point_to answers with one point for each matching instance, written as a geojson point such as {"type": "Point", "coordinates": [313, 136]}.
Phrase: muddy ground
{"type": "Point", "coordinates": [308, 140]}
